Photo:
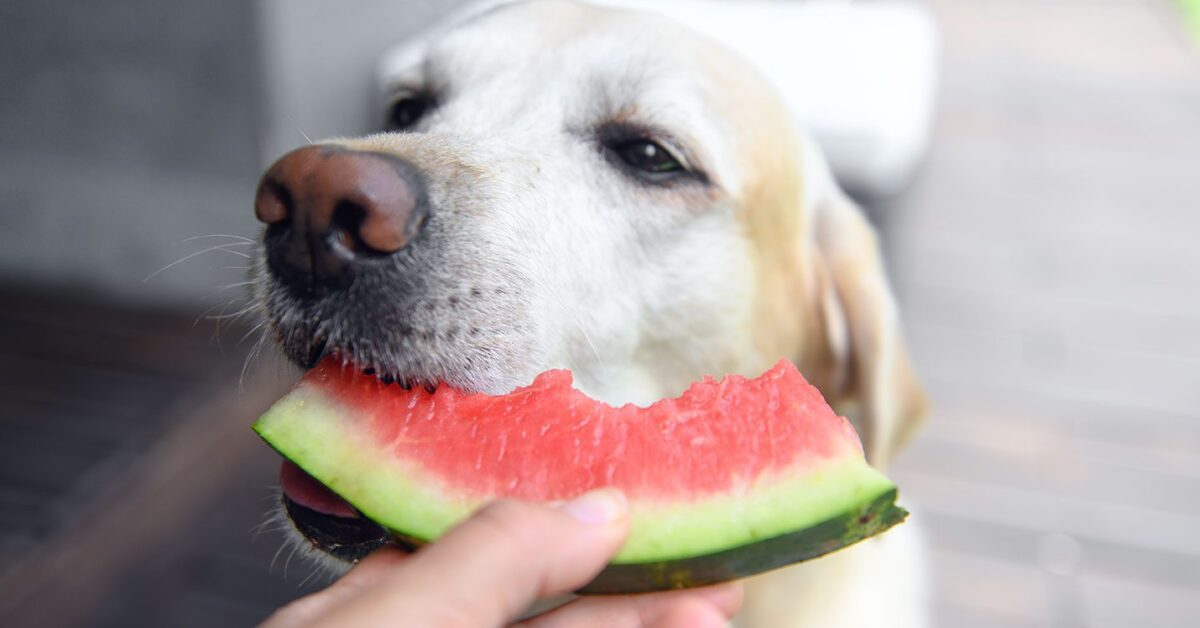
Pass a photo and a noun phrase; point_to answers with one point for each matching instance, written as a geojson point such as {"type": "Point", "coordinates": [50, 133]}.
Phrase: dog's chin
{"type": "Point", "coordinates": [347, 539]}
{"type": "Point", "coordinates": [297, 543]}
{"type": "Point", "coordinates": [321, 526]}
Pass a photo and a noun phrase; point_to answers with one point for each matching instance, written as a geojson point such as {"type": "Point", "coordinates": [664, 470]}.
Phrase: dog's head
{"type": "Point", "coordinates": [565, 186]}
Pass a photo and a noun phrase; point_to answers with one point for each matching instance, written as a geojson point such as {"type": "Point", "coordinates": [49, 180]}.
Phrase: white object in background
{"type": "Point", "coordinates": [860, 77]}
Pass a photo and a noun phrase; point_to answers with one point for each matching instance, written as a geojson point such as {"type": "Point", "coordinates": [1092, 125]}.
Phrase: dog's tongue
{"type": "Point", "coordinates": [303, 489]}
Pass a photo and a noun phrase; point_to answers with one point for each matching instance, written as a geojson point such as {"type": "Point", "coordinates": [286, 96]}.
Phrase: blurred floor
{"type": "Point", "coordinates": [129, 479]}
{"type": "Point", "coordinates": [1048, 272]}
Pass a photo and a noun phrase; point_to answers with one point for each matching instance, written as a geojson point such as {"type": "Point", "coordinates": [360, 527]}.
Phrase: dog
{"type": "Point", "coordinates": [567, 186]}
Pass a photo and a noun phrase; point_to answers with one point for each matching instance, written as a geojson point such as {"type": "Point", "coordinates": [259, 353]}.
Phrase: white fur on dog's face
{"type": "Point", "coordinates": [635, 286]}
{"type": "Point", "coordinates": [638, 287]}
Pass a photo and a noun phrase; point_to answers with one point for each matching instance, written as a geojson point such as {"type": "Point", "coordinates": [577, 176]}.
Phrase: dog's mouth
{"type": "Point", "coordinates": [327, 521]}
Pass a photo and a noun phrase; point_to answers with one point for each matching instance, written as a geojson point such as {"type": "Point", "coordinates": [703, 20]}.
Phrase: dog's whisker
{"type": "Point", "coordinates": [252, 331]}
{"type": "Point", "coordinates": [288, 561]}
{"type": "Point", "coordinates": [219, 247]}
{"type": "Point", "coordinates": [298, 129]}
{"type": "Point", "coordinates": [591, 345]}
{"type": "Point", "coordinates": [270, 522]}
{"type": "Point", "coordinates": [239, 284]}
{"type": "Point", "coordinates": [272, 514]}
{"type": "Point", "coordinates": [229, 286]}
{"type": "Point", "coordinates": [232, 315]}
{"type": "Point", "coordinates": [284, 544]}
{"type": "Point", "coordinates": [579, 326]}
{"type": "Point", "coordinates": [254, 351]}
{"type": "Point", "coordinates": [223, 319]}
{"type": "Point", "coordinates": [214, 235]}
{"type": "Point", "coordinates": [205, 314]}
{"type": "Point", "coordinates": [258, 531]}
{"type": "Point", "coordinates": [310, 575]}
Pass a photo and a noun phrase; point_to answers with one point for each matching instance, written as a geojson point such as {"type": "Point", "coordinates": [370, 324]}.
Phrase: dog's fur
{"type": "Point", "coordinates": [542, 252]}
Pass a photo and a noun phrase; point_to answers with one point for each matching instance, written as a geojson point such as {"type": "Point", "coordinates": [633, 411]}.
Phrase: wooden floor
{"type": "Point", "coordinates": [130, 481]}
{"type": "Point", "coordinates": [1048, 268]}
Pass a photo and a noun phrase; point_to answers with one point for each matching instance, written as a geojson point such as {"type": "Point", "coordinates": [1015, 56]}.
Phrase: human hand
{"type": "Point", "coordinates": [494, 566]}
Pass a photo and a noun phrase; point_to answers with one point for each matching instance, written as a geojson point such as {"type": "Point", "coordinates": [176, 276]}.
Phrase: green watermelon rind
{"type": "Point", "coordinates": [867, 520]}
{"type": "Point", "coordinates": [779, 520]}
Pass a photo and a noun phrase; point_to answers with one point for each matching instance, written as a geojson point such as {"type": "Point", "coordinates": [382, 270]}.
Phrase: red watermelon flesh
{"type": "Point", "coordinates": [731, 478]}
{"type": "Point", "coordinates": [549, 441]}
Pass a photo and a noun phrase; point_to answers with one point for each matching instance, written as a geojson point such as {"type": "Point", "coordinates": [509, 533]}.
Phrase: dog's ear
{"type": "Point", "coordinates": [878, 389]}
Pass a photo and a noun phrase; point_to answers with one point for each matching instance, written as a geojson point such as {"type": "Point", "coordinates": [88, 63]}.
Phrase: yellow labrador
{"type": "Point", "coordinates": [605, 191]}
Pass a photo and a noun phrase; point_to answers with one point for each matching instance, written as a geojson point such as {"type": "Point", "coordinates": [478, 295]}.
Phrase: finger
{"type": "Point", "coordinates": [691, 614]}
{"type": "Point", "coordinates": [376, 568]}
{"type": "Point", "coordinates": [710, 606]}
{"type": "Point", "coordinates": [370, 571]}
{"type": "Point", "coordinates": [493, 566]}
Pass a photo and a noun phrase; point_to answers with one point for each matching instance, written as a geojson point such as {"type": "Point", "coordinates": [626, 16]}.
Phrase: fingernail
{"type": "Point", "coordinates": [599, 507]}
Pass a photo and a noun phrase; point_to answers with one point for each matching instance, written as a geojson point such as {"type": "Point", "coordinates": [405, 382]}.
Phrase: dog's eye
{"type": "Point", "coordinates": [648, 157]}
{"type": "Point", "coordinates": [407, 110]}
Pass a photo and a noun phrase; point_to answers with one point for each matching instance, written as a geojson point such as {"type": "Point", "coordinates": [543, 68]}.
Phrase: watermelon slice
{"type": "Point", "coordinates": [733, 478]}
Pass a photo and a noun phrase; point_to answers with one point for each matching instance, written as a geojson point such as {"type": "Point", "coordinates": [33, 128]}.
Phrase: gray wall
{"type": "Point", "coordinates": [127, 126]}
{"type": "Point", "coordinates": [320, 60]}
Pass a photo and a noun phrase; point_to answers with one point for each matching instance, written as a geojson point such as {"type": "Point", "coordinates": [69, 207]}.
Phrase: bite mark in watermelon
{"type": "Point", "coordinates": [733, 478]}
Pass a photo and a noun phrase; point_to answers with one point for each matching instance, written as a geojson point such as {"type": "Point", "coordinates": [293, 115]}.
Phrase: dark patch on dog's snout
{"type": "Point", "coordinates": [315, 351]}
{"type": "Point", "coordinates": [330, 211]}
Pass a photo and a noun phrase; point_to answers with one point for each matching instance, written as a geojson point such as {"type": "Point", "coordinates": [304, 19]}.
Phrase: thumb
{"type": "Point", "coordinates": [493, 566]}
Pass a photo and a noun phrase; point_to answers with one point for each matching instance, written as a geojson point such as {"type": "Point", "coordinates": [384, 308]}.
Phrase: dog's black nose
{"type": "Point", "coordinates": [330, 209]}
